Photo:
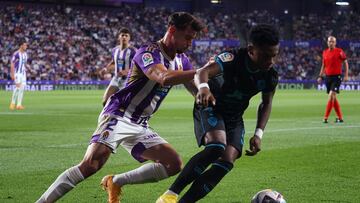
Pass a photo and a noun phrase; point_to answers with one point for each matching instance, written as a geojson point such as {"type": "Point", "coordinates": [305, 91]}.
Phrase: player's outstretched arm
{"type": "Point", "coordinates": [204, 96]}
{"type": "Point", "coordinates": [191, 87]}
{"type": "Point", "coordinates": [165, 77]}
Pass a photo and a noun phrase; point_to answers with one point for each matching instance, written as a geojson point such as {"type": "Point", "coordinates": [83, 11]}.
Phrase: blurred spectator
{"type": "Point", "coordinates": [72, 43]}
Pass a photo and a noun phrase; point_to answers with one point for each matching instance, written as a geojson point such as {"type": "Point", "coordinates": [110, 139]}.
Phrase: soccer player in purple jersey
{"type": "Point", "coordinates": [121, 60]}
{"type": "Point", "coordinates": [155, 68]}
{"type": "Point", "coordinates": [18, 75]}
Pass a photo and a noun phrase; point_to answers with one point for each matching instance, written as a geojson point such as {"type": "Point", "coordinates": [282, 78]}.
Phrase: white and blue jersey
{"type": "Point", "coordinates": [19, 59]}
{"type": "Point", "coordinates": [122, 58]}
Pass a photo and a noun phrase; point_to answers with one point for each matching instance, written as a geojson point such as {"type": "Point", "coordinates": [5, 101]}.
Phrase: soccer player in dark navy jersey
{"type": "Point", "coordinates": [226, 85]}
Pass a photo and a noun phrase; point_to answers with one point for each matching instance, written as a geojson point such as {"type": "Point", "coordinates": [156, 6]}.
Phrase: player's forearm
{"type": "Point", "coordinates": [124, 72]}
{"type": "Point", "coordinates": [321, 71]}
{"type": "Point", "coordinates": [12, 70]}
{"type": "Point", "coordinates": [201, 76]}
{"type": "Point", "coordinates": [346, 69]}
{"type": "Point", "coordinates": [172, 77]}
{"type": "Point", "coordinates": [190, 86]}
{"type": "Point", "coordinates": [110, 66]}
{"type": "Point", "coordinates": [263, 115]}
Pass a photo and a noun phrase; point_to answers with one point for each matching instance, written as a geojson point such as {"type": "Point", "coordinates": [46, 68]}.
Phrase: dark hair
{"type": "Point", "coordinates": [183, 19]}
{"type": "Point", "coordinates": [123, 30]}
{"type": "Point", "coordinates": [21, 42]}
{"type": "Point", "coordinates": [264, 34]}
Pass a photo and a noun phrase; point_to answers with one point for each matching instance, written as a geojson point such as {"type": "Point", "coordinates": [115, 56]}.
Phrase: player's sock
{"type": "Point", "coordinates": [338, 109]}
{"type": "Point", "coordinates": [150, 172]}
{"type": "Point", "coordinates": [207, 181]}
{"type": "Point", "coordinates": [15, 95]}
{"type": "Point", "coordinates": [329, 107]}
{"type": "Point", "coordinates": [63, 184]}
{"type": "Point", "coordinates": [20, 96]}
{"type": "Point", "coordinates": [196, 165]}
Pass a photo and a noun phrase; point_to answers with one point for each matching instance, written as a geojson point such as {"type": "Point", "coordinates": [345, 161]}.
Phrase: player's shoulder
{"type": "Point", "coordinates": [273, 72]}
{"type": "Point", "coordinates": [132, 48]}
{"type": "Point", "coordinates": [115, 48]}
{"type": "Point", "coordinates": [149, 47]}
{"type": "Point", "coordinates": [338, 49]}
{"type": "Point", "coordinates": [182, 56]}
{"type": "Point", "coordinates": [272, 79]}
{"type": "Point", "coordinates": [231, 55]}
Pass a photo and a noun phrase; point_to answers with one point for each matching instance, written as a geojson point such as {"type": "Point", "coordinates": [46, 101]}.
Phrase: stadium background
{"type": "Point", "coordinates": [69, 41]}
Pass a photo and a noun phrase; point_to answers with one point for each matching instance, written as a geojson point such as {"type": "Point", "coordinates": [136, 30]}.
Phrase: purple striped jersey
{"type": "Point", "coordinates": [122, 58]}
{"type": "Point", "coordinates": [141, 97]}
{"type": "Point", "coordinates": [19, 60]}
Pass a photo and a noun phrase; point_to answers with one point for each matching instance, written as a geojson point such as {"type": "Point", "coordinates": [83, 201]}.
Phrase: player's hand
{"type": "Point", "coordinates": [12, 77]}
{"type": "Point", "coordinates": [204, 97]}
{"type": "Point", "coordinates": [319, 80]}
{"type": "Point", "coordinates": [102, 72]}
{"type": "Point", "coordinates": [346, 78]}
{"type": "Point", "coordinates": [255, 146]}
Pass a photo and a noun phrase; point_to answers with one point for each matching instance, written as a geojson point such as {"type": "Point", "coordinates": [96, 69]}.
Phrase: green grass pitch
{"type": "Point", "coordinates": [306, 160]}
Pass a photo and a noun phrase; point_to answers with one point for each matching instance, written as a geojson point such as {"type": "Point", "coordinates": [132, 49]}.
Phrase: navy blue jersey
{"type": "Point", "coordinates": [237, 83]}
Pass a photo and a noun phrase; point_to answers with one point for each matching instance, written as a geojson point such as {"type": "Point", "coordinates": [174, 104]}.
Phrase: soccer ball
{"type": "Point", "coordinates": [268, 196]}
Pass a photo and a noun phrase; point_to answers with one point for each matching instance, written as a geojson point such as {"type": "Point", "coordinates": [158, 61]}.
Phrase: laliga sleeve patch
{"type": "Point", "coordinates": [226, 57]}
{"type": "Point", "coordinates": [147, 59]}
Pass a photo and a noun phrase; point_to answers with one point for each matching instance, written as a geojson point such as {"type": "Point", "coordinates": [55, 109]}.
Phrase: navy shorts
{"type": "Point", "coordinates": [207, 119]}
{"type": "Point", "coordinates": [333, 83]}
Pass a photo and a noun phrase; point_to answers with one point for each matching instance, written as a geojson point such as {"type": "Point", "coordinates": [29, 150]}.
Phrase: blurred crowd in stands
{"type": "Point", "coordinates": [73, 43]}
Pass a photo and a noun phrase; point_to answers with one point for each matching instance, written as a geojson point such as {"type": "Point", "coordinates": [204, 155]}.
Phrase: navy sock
{"type": "Point", "coordinates": [196, 165]}
{"type": "Point", "coordinates": [207, 181]}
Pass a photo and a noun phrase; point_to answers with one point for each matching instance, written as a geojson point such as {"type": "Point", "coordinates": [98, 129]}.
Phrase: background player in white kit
{"type": "Point", "coordinates": [120, 63]}
{"type": "Point", "coordinates": [18, 75]}
{"type": "Point", "coordinates": [156, 67]}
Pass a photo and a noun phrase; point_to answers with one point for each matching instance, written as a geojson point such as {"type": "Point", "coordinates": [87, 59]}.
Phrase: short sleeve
{"type": "Point", "coordinates": [342, 55]}
{"type": "Point", "coordinates": [271, 81]}
{"type": "Point", "coordinates": [113, 54]}
{"type": "Point", "coordinates": [186, 63]}
{"type": "Point", "coordinates": [14, 57]}
{"type": "Point", "coordinates": [223, 59]}
{"type": "Point", "coordinates": [132, 53]}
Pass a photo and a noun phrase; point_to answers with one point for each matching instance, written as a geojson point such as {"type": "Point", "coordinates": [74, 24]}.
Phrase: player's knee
{"type": "Point", "coordinates": [89, 167]}
{"type": "Point", "coordinates": [227, 166]}
{"type": "Point", "coordinates": [174, 166]}
{"type": "Point", "coordinates": [215, 149]}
